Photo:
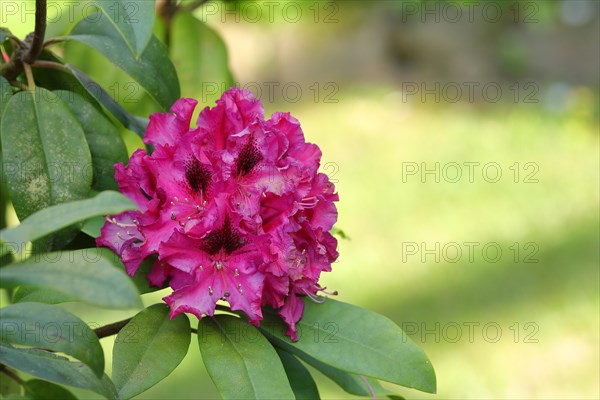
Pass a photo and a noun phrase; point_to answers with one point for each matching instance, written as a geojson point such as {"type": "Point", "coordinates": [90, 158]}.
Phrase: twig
{"type": "Point", "coordinates": [111, 329]}
{"type": "Point", "coordinates": [49, 65]}
{"type": "Point", "coordinates": [30, 49]}
{"type": "Point", "coordinates": [38, 33]}
{"type": "Point", "coordinates": [29, 75]}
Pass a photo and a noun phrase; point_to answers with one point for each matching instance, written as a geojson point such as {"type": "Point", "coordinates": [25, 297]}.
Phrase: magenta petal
{"type": "Point", "coordinates": [235, 209]}
{"type": "Point", "coordinates": [166, 129]}
{"type": "Point", "coordinates": [159, 273]}
{"type": "Point", "coordinates": [192, 299]}
{"type": "Point", "coordinates": [121, 235]}
{"type": "Point", "coordinates": [234, 111]}
{"type": "Point", "coordinates": [291, 312]}
{"type": "Point", "coordinates": [137, 180]}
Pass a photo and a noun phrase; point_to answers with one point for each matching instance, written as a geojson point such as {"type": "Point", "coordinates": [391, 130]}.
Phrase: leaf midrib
{"type": "Point", "coordinates": [239, 355]}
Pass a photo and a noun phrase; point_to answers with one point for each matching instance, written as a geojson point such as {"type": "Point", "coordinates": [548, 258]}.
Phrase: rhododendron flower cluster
{"type": "Point", "coordinates": [235, 209]}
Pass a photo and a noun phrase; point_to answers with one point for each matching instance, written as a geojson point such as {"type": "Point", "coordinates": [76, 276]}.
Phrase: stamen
{"type": "Point", "coordinates": [334, 293]}
{"type": "Point", "coordinates": [113, 220]}
{"type": "Point", "coordinates": [314, 297]}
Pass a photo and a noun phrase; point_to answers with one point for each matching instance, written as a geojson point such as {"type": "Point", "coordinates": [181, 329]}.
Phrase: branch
{"type": "Point", "coordinates": [50, 65]}
{"type": "Point", "coordinates": [115, 327]}
{"type": "Point", "coordinates": [111, 329]}
{"type": "Point", "coordinates": [38, 33]}
{"type": "Point", "coordinates": [32, 46]}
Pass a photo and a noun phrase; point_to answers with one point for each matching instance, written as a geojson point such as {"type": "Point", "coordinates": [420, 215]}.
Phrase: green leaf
{"type": "Point", "coordinates": [140, 279]}
{"type": "Point", "coordinates": [153, 69]}
{"type": "Point", "coordinates": [131, 122]}
{"type": "Point", "coordinates": [60, 79]}
{"type": "Point", "coordinates": [44, 151]}
{"type": "Point", "coordinates": [200, 57]}
{"type": "Point", "coordinates": [103, 138]}
{"type": "Point", "coordinates": [62, 215]}
{"type": "Point", "coordinates": [89, 275]}
{"type": "Point", "coordinates": [301, 382]}
{"type": "Point", "coordinates": [240, 361]}
{"type": "Point", "coordinates": [132, 20]}
{"type": "Point", "coordinates": [92, 227]}
{"type": "Point", "coordinates": [148, 349]}
{"type": "Point", "coordinates": [42, 390]}
{"type": "Point", "coordinates": [355, 340]}
{"type": "Point", "coordinates": [351, 383]}
{"type": "Point", "coordinates": [8, 385]}
{"type": "Point", "coordinates": [51, 367]}
{"type": "Point", "coordinates": [40, 295]}
{"type": "Point", "coordinates": [50, 327]}
{"type": "Point", "coordinates": [5, 94]}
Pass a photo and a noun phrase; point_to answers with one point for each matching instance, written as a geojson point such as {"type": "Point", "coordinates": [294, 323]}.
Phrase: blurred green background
{"type": "Point", "coordinates": [402, 96]}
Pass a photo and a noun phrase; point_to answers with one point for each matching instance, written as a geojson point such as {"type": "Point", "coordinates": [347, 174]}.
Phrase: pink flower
{"type": "Point", "coordinates": [234, 208]}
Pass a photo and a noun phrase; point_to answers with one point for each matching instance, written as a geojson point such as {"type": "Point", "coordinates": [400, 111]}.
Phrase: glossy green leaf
{"type": "Point", "coordinates": [45, 152]}
{"type": "Point", "coordinates": [152, 70]}
{"type": "Point", "coordinates": [40, 295]}
{"type": "Point", "coordinates": [60, 79]}
{"type": "Point", "coordinates": [301, 381]}
{"type": "Point", "coordinates": [8, 386]}
{"type": "Point", "coordinates": [5, 94]}
{"type": "Point", "coordinates": [89, 275]}
{"type": "Point", "coordinates": [140, 279]}
{"type": "Point", "coordinates": [132, 19]}
{"type": "Point", "coordinates": [240, 361]}
{"type": "Point", "coordinates": [51, 367]}
{"type": "Point", "coordinates": [355, 340]}
{"type": "Point", "coordinates": [92, 226]}
{"type": "Point", "coordinates": [354, 384]}
{"type": "Point", "coordinates": [62, 215]}
{"type": "Point", "coordinates": [148, 349]}
{"type": "Point", "coordinates": [131, 122]}
{"type": "Point", "coordinates": [50, 327]}
{"type": "Point", "coordinates": [42, 390]}
{"type": "Point", "coordinates": [103, 138]}
{"type": "Point", "coordinates": [200, 57]}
